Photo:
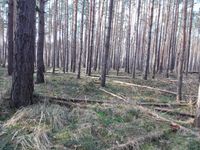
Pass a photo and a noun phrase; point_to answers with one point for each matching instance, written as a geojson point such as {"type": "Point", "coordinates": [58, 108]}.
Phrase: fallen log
{"type": "Point", "coordinates": [170, 121]}
{"type": "Point", "coordinates": [61, 102]}
{"type": "Point", "coordinates": [166, 80]}
{"type": "Point", "coordinates": [135, 143]}
{"type": "Point", "coordinates": [59, 72]}
{"type": "Point", "coordinates": [158, 117]}
{"type": "Point", "coordinates": [74, 100]}
{"type": "Point", "coordinates": [112, 76]}
{"type": "Point", "coordinates": [169, 111]}
{"type": "Point", "coordinates": [114, 95]}
{"type": "Point", "coordinates": [193, 72]}
{"type": "Point", "coordinates": [4, 113]}
{"type": "Point", "coordinates": [151, 88]}
{"type": "Point", "coordinates": [162, 104]}
{"type": "Point", "coordinates": [143, 86]}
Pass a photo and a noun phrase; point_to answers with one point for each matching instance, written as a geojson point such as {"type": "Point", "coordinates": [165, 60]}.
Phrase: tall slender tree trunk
{"type": "Point", "coordinates": [128, 46]}
{"type": "Point", "coordinates": [86, 35]}
{"type": "Point", "coordinates": [98, 34]}
{"type": "Point", "coordinates": [4, 45]}
{"type": "Point", "coordinates": [169, 43]}
{"type": "Point", "coordinates": [66, 47]}
{"type": "Point", "coordinates": [120, 37]}
{"type": "Point", "coordinates": [175, 37]}
{"type": "Point", "coordinates": [107, 44]}
{"type": "Point", "coordinates": [40, 48]}
{"type": "Point", "coordinates": [102, 59]}
{"type": "Point", "coordinates": [156, 46]}
{"type": "Point", "coordinates": [165, 36]}
{"type": "Point", "coordinates": [89, 36]}
{"type": "Point", "coordinates": [49, 37]}
{"type": "Point", "coordinates": [147, 55]}
{"type": "Point", "coordinates": [189, 38]}
{"type": "Point", "coordinates": [136, 39]}
{"type": "Point", "coordinates": [22, 77]}
{"type": "Point", "coordinates": [55, 35]}
{"type": "Point", "coordinates": [81, 41]}
{"type": "Point", "coordinates": [64, 38]}
{"type": "Point", "coordinates": [143, 40]}
{"type": "Point", "coordinates": [182, 53]}
{"type": "Point", "coordinates": [67, 36]}
{"type": "Point", "coordinates": [74, 34]}
{"type": "Point", "coordinates": [10, 35]}
{"type": "Point", "coordinates": [59, 35]}
{"type": "Point", "coordinates": [92, 39]}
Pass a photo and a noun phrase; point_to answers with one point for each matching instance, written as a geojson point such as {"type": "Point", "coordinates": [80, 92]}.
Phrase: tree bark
{"type": "Point", "coordinates": [136, 39]}
{"type": "Point", "coordinates": [40, 49]}
{"type": "Point", "coordinates": [10, 35]}
{"type": "Point", "coordinates": [119, 51]}
{"type": "Point", "coordinates": [147, 55]}
{"type": "Point", "coordinates": [86, 35]}
{"type": "Point", "coordinates": [92, 39]}
{"type": "Point", "coordinates": [98, 33]}
{"type": "Point", "coordinates": [55, 34]}
{"type": "Point", "coordinates": [128, 40]}
{"type": "Point", "coordinates": [66, 47]}
{"type": "Point", "coordinates": [107, 44]}
{"type": "Point", "coordinates": [81, 41]}
{"type": "Point", "coordinates": [189, 38]}
{"type": "Point", "coordinates": [74, 35]}
{"type": "Point", "coordinates": [22, 80]}
{"type": "Point", "coordinates": [156, 46]}
{"type": "Point", "coordinates": [182, 53]}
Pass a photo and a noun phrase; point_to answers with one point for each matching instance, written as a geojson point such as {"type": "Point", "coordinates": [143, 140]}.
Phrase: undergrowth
{"type": "Point", "coordinates": [44, 127]}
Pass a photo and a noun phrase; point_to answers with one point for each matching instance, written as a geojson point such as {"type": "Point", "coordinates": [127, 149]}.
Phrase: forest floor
{"type": "Point", "coordinates": [79, 114]}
